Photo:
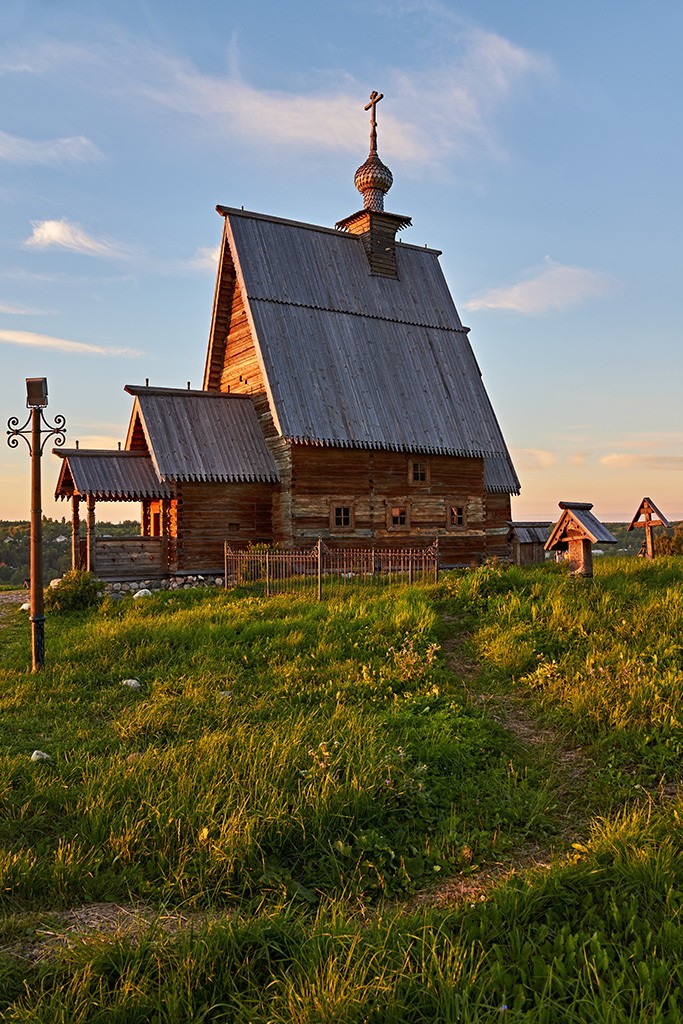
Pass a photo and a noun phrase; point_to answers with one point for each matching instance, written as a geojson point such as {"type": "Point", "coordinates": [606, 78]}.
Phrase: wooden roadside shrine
{"type": "Point", "coordinates": [576, 531]}
{"type": "Point", "coordinates": [648, 516]}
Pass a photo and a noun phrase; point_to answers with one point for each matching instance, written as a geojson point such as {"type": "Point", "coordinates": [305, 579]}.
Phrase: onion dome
{"type": "Point", "coordinates": [373, 179]}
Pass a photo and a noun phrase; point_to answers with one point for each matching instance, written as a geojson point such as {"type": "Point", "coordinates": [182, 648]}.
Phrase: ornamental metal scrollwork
{"type": "Point", "coordinates": [56, 430]}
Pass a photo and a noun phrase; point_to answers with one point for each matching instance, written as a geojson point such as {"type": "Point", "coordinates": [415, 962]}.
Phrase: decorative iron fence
{"type": "Point", "coordinates": [321, 570]}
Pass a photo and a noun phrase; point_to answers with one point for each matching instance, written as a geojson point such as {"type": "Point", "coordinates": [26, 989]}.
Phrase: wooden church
{"type": "Point", "coordinates": [341, 399]}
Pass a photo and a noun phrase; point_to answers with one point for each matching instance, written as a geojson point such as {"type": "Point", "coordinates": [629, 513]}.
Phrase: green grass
{"type": "Point", "coordinates": [291, 773]}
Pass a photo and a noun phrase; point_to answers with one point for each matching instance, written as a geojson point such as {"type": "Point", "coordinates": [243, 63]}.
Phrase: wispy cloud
{"type": "Point", "coordinates": [631, 460]}
{"type": "Point", "coordinates": [450, 110]}
{"type": "Point", "coordinates": [20, 310]}
{"type": "Point", "coordinates": [63, 234]}
{"type": "Point", "coordinates": [29, 339]}
{"type": "Point", "coordinates": [557, 286]}
{"type": "Point", "coordinates": [533, 459]}
{"type": "Point", "coordinates": [73, 149]}
{"type": "Point", "coordinates": [577, 459]}
{"type": "Point", "coordinates": [206, 258]}
{"type": "Point", "coordinates": [465, 92]}
{"type": "Point", "coordinates": [41, 58]}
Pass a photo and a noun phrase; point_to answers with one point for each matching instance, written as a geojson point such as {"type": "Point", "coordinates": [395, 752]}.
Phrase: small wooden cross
{"type": "Point", "coordinates": [375, 97]}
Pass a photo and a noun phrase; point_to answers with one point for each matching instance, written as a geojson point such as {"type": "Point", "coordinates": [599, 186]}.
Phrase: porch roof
{"type": "Point", "coordinates": [108, 475]}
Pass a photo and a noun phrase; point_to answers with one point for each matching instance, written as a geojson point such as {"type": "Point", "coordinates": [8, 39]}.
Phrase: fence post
{"type": "Point", "coordinates": [410, 566]}
{"type": "Point", "coordinates": [225, 565]}
{"type": "Point", "coordinates": [267, 574]}
{"type": "Point", "coordinates": [320, 568]}
{"type": "Point", "coordinates": [436, 560]}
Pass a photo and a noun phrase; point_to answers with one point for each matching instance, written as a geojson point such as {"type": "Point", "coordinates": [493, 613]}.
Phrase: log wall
{"type": "Point", "coordinates": [210, 513]}
{"type": "Point", "coordinates": [498, 516]}
{"type": "Point", "coordinates": [371, 484]}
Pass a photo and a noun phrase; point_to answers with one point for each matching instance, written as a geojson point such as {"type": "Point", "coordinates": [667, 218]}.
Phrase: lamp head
{"type": "Point", "coordinates": [36, 392]}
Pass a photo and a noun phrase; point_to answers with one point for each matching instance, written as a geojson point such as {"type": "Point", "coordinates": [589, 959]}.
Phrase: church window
{"type": "Point", "coordinates": [341, 515]}
{"type": "Point", "coordinates": [418, 472]}
{"type": "Point", "coordinates": [399, 516]}
{"type": "Point", "coordinates": [457, 515]}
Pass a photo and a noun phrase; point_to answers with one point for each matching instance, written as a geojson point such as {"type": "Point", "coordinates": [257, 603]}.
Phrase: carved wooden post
{"type": "Point", "coordinates": [75, 531]}
{"type": "Point", "coordinates": [145, 520]}
{"type": "Point", "coordinates": [90, 534]}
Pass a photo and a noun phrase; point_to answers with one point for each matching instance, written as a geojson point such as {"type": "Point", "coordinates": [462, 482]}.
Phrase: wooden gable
{"type": "Point", "coordinates": [233, 363]}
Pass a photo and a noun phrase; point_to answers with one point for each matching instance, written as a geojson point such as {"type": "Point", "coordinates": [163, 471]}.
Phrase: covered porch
{"type": "Point", "coordinates": [91, 476]}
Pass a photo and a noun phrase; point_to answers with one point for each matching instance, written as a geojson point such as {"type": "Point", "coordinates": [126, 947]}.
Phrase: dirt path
{"type": "Point", "coordinates": [13, 596]}
{"type": "Point", "coordinates": [567, 763]}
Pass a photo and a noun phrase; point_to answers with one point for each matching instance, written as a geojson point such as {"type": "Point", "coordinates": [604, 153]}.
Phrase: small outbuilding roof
{"type": "Point", "coordinates": [201, 435]}
{"type": "Point", "coordinates": [578, 521]}
{"type": "Point", "coordinates": [528, 533]}
{"type": "Point", "coordinates": [108, 475]}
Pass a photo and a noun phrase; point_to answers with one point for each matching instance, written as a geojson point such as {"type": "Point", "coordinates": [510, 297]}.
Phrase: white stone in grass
{"type": "Point", "coordinates": [142, 593]}
{"type": "Point", "coordinates": [219, 581]}
{"type": "Point", "coordinates": [55, 583]}
{"type": "Point", "coordinates": [225, 694]}
{"type": "Point", "coordinates": [40, 755]}
{"type": "Point", "coordinates": [132, 684]}
{"type": "Point", "coordinates": [26, 607]}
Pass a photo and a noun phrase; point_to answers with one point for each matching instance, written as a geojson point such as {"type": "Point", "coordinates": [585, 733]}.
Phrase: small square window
{"type": "Point", "coordinates": [419, 472]}
{"type": "Point", "coordinates": [457, 515]}
{"type": "Point", "coordinates": [342, 515]}
{"type": "Point", "coordinates": [399, 515]}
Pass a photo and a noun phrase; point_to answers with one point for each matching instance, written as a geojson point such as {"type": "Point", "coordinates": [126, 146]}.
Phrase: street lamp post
{"type": "Point", "coordinates": [36, 401]}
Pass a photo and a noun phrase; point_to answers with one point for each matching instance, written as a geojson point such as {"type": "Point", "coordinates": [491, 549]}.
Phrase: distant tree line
{"type": "Point", "coordinates": [15, 554]}
{"type": "Point", "coordinates": [669, 543]}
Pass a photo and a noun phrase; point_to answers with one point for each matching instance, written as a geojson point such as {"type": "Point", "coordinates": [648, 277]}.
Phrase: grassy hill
{"type": "Point", "coordinates": [447, 803]}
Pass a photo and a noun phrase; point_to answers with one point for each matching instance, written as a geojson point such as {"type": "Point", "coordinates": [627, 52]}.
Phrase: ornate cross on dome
{"type": "Point", "coordinates": [375, 97]}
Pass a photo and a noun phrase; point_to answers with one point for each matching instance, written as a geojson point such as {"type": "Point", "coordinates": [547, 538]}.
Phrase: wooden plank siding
{"type": "Point", "coordinates": [210, 513]}
{"type": "Point", "coordinates": [132, 558]}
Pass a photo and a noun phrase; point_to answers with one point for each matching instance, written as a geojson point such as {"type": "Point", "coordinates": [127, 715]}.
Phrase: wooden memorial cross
{"type": "Point", "coordinates": [651, 517]}
{"type": "Point", "coordinates": [375, 97]}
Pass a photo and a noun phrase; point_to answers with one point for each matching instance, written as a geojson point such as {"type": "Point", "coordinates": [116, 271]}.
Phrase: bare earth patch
{"type": "Point", "coordinates": [68, 928]}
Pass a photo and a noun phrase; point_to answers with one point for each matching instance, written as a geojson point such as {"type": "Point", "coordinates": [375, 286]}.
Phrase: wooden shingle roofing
{"type": "Point", "coordinates": [577, 518]}
{"type": "Point", "coordinates": [108, 475]}
{"type": "Point", "coordinates": [355, 360]}
{"type": "Point", "coordinates": [529, 533]}
{"type": "Point", "coordinates": [202, 435]}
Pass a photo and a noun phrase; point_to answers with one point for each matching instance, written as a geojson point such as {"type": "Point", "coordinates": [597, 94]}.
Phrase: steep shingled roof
{"type": "Point", "coordinates": [355, 360]}
{"type": "Point", "coordinates": [202, 435]}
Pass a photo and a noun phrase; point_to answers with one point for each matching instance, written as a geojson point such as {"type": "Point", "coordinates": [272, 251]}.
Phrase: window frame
{"type": "Point", "coordinates": [457, 502]}
{"type": "Point", "coordinates": [412, 463]}
{"type": "Point", "coordinates": [397, 503]}
{"type": "Point", "coordinates": [342, 503]}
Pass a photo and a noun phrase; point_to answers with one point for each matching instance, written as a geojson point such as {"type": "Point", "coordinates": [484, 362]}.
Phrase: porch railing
{"type": "Point", "coordinates": [320, 570]}
{"type": "Point", "coordinates": [133, 558]}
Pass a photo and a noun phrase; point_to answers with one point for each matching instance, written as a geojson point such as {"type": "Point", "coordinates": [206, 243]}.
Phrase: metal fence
{"type": "Point", "coordinates": [319, 571]}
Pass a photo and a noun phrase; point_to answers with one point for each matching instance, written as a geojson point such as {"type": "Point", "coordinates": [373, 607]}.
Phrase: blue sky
{"type": "Point", "coordinates": [537, 144]}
